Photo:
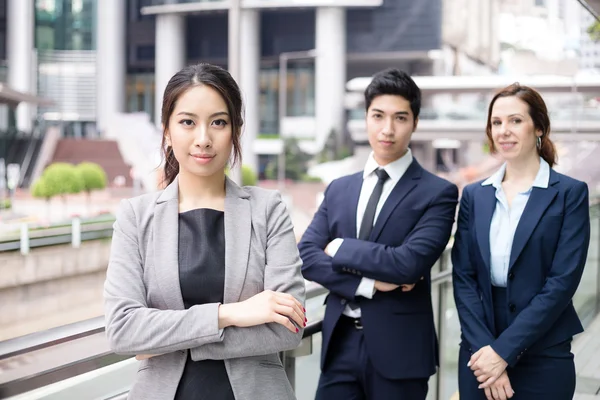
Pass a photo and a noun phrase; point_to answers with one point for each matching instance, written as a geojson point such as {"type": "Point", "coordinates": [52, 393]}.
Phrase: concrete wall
{"type": "Point", "coordinates": [51, 286]}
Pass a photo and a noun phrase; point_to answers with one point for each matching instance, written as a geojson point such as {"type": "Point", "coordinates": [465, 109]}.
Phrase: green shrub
{"type": "Point", "coordinates": [92, 175]}
{"type": "Point", "coordinates": [58, 179]}
{"type": "Point", "coordinates": [249, 177]}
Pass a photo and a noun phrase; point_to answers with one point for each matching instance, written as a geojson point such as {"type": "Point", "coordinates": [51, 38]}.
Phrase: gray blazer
{"type": "Point", "coordinates": [144, 308]}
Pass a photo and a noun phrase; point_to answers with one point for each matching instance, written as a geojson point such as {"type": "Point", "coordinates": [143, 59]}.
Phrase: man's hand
{"type": "Point", "coordinates": [501, 389]}
{"type": "Point", "coordinates": [386, 287]}
{"type": "Point", "coordinates": [487, 366]}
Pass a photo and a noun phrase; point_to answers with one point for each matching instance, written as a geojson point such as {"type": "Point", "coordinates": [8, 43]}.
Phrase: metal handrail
{"type": "Point", "coordinates": [98, 356]}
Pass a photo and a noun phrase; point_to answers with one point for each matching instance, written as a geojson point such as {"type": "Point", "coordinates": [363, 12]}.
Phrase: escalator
{"type": "Point", "coordinates": [20, 148]}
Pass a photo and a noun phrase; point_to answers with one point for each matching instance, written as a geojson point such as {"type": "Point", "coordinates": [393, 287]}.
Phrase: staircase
{"type": "Point", "coordinates": [103, 152]}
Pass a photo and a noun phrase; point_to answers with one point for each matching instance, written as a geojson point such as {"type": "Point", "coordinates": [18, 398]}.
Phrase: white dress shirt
{"type": "Point", "coordinates": [506, 219]}
{"type": "Point", "coordinates": [395, 170]}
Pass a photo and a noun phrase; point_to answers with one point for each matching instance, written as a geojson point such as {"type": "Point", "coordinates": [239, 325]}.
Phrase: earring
{"type": "Point", "coordinates": [539, 142]}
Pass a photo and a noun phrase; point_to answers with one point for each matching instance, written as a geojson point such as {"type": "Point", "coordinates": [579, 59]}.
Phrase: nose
{"type": "Point", "coordinates": [202, 138]}
{"type": "Point", "coordinates": [388, 127]}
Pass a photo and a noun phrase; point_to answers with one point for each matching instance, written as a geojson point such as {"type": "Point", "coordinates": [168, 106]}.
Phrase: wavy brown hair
{"type": "Point", "coordinates": [538, 113]}
{"type": "Point", "coordinates": [195, 75]}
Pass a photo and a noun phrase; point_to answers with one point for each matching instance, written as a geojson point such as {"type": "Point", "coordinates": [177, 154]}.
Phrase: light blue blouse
{"type": "Point", "coordinates": [505, 221]}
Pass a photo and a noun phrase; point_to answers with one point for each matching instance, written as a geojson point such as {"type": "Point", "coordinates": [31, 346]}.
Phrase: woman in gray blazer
{"type": "Point", "coordinates": [204, 283]}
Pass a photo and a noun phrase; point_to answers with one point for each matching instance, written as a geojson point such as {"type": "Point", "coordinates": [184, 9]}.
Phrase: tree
{"type": "Point", "coordinates": [62, 179]}
{"type": "Point", "coordinates": [594, 31]}
{"type": "Point", "coordinates": [92, 175]}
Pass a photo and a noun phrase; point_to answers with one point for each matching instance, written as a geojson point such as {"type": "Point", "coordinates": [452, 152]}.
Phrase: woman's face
{"type": "Point", "coordinates": [513, 130]}
{"type": "Point", "coordinates": [200, 133]}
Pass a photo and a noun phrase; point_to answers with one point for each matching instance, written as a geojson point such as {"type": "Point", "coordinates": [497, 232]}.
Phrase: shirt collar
{"type": "Point", "coordinates": [395, 169]}
{"type": "Point", "coordinates": [541, 179]}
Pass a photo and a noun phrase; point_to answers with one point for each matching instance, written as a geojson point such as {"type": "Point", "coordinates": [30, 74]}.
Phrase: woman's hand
{"type": "Point", "coordinates": [501, 389]}
{"type": "Point", "coordinates": [263, 308]}
{"type": "Point", "coordinates": [487, 366]}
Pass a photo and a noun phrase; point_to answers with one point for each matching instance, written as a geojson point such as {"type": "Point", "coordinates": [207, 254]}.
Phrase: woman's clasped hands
{"type": "Point", "coordinates": [490, 370]}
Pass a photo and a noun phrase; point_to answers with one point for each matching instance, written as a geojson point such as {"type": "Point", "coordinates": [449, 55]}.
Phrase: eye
{"type": "Point", "coordinates": [495, 123]}
{"type": "Point", "coordinates": [186, 122]}
{"type": "Point", "coordinates": [516, 120]}
{"type": "Point", "coordinates": [401, 118]}
{"type": "Point", "coordinates": [219, 122]}
{"type": "Point", "coordinates": [376, 116]}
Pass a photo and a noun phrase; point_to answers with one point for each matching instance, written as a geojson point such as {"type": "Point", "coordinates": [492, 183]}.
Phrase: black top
{"type": "Point", "coordinates": [202, 280]}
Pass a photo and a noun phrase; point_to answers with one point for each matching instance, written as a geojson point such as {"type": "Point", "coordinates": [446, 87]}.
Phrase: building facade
{"type": "Point", "coordinates": [97, 59]}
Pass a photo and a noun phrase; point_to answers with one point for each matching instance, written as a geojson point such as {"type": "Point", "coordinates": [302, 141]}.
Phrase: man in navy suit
{"type": "Point", "coordinates": [372, 243]}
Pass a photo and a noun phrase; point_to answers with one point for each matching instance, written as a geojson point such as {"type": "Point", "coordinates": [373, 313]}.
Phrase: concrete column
{"type": "Point", "coordinates": [250, 83]}
{"type": "Point", "coordinates": [169, 55]}
{"type": "Point", "coordinates": [20, 20]}
{"type": "Point", "coordinates": [330, 70]}
{"type": "Point", "coordinates": [111, 64]}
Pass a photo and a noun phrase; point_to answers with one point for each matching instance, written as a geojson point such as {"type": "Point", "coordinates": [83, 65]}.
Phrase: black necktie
{"type": "Point", "coordinates": [366, 226]}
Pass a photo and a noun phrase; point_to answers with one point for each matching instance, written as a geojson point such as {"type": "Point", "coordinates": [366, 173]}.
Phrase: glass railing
{"type": "Point", "coordinates": [70, 360]}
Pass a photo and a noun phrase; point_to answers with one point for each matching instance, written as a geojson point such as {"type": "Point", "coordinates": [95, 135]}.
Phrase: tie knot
{"type": "Point", "coordinates": [381, 174]}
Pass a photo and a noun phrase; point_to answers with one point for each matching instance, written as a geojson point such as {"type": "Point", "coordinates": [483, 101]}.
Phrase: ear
{"type": "Point", "coordinates": [167, 136]}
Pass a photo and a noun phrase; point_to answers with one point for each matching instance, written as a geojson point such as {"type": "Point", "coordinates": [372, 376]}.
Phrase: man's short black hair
{"type": "Point", "coordinates": [395, 82]}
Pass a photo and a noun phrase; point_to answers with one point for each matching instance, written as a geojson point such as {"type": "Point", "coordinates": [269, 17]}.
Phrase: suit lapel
{"type": "Point", "coordinates": [538, 202]}
{"type": "Point", "coordinates": [354, 189]}
{"type": "Point", "coordinates": [485, 204]}
{"type": "Point", "coordinates": [238, 228]}
{"type": "Point", "coordinates": [404, 186]}
{"type": "Point", "coordinates": [165, 227]}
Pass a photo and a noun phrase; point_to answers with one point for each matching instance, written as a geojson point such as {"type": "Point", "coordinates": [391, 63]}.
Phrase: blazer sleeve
{"type": "Point", "coordinates": [409, 262]}
{"type": "Point", "coordinates": [464, 279]}
{"type": "Point", "coordinates": [561, 282]}
{"type": "Point", "coordinates": [282, 274]}
{"type": "Point", "coordinates": [131, 326]}
{"type": "Point", "coordinates": [317, 265]}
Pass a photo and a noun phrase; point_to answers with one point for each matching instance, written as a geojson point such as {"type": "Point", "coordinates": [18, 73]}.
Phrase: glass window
{"type": "Point", "coordinates": [300, 96]}
{"type": "Point", "coordinates": [65, 24]}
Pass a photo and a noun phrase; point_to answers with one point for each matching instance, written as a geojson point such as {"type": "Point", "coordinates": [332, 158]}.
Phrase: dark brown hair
{"type": "Point", "coordinates": [195, 75]}
{"type": "Point", "coordinates": [538, 113]}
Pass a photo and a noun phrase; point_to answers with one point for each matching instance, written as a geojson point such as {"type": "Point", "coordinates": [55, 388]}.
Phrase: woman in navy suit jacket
{"type": "Point", "coordinates": [519, 253]}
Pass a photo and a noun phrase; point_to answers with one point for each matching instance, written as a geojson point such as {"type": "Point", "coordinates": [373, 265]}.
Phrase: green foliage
{"type": "Point", "coordinates": [296, 162]}
{"type": "Point", "coordinates": [40, 189]}
{"type": "Point", "coordinates": [58, 179]}
{"type": "Point", "coordinates": [5, 204]}
{"type": "Point", "coordinates": [594, 31]}
{"type": "Point", "coordinates": [249, 177]}
{"type": "Point", "coordinates": [92, 175]}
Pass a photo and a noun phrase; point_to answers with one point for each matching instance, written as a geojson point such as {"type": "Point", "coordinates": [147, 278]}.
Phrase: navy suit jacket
{"type": "Point", "coordinates": [546, 263]}
{"type": "Point", "coordinates": [411, 232]}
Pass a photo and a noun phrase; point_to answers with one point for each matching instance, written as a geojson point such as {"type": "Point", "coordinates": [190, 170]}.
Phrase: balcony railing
{"type": "Point", "coordinates": [74, 361]}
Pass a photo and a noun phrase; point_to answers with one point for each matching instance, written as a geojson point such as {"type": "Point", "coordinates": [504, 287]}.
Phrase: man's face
{"type": "Point", "coordinates": [390, 124]}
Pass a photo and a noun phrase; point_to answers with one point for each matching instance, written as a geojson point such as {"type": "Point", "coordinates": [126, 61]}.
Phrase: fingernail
{"type": "Point", "coordinates": [305, 320]}
{"type": "Point", "coordinates": [304, 309]}
{"type": "Point", "coordinates": [296, 330]}
{"type": "Point", "coordinates": [305, 324]}
{"type": "Point", "coordinates": [469, 364]}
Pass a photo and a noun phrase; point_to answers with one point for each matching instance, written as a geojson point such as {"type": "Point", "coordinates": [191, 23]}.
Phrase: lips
{"type": "Point", "coordinates": [507, 145]}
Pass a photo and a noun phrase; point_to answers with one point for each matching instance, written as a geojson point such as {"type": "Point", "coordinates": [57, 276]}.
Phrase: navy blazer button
{"type": "Point", "coordinates": [511, 276]}
{"type": "Point", "coordinates": [512, 307]}
{"type": "Point", "coordinates": [343, 301]}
